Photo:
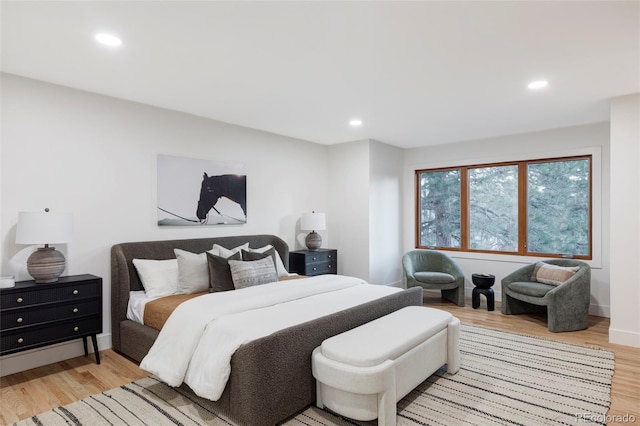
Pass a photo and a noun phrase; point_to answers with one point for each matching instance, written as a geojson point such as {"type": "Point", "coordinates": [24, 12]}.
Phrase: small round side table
{"type": "Point", "coordinates": [483, 283]}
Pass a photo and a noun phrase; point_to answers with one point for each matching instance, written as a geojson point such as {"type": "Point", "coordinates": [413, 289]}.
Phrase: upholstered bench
{"type": "Point", "coordinates": [364, 372]}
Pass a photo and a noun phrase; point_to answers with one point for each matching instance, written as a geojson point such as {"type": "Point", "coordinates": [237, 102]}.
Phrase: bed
{"type": "Point", "coordinates": [270, 377]}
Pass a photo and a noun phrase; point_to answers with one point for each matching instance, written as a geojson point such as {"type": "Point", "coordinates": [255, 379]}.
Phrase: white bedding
{"type": "Point", "coordinates": [197, 341]}
{"type": "Point", "coordinates": [135, 307]}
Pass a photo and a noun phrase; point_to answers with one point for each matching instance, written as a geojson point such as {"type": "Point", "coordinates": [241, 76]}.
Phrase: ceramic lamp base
{"type": "Point", "coordinates": [45, 265]}
{"type": "Point", "coordinates": [313, 241]}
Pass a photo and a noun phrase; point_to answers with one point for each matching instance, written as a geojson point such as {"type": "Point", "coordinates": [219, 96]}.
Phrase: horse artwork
{"type": "Point", "coordinates": [215, 188]}
{"type": "Point", "coordinates": [220, 192]}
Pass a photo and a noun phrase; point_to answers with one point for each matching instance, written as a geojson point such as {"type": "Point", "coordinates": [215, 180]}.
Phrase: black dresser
{"type": "Point", "coordinates": [322, 261]}
{"type": "Point", "coordinates": [35, 315]}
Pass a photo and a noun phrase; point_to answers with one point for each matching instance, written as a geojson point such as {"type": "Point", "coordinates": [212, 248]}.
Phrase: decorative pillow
{"type": "Point", "coordinates": [193, 273]}
{"type": "Point", "coordinates": [256, 272]}
{"type": "Point", "coordinates": [159, 277]}
{"type": "Point", "coordinates": [219, 272]}
{"type": "Point", "coordinates": [552, 274]}
{"type": "Point", "coordinates": [280, 269]}
{"type": "Point", "coordinates": [218, 250]}
{"type": "Point", "coordinates": [254, 255]}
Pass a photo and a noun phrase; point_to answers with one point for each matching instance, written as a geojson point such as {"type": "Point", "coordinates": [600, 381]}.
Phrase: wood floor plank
{"type": "Point", "coordinates": [28, 393]}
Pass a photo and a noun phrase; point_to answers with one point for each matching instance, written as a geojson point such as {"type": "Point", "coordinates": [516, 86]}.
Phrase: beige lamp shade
{"type": "Point", "coordinates": [46, 264]}
{"type": "Point", "coordinates": [44, 228]}
{"type": "Point", "coordinates": [311, 222]}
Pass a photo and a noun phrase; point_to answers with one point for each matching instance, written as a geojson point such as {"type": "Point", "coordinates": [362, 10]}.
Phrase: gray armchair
{"type": "Point", "coordinates": [567, 304]}
{"type": "Point", "coordinates": [434, 270]}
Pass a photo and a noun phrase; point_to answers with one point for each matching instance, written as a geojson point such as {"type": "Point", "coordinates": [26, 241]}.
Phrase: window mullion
{"type": "Point", "coordinates": [522, 208]}
{"type": "Point", "coordinates": [464, 208]}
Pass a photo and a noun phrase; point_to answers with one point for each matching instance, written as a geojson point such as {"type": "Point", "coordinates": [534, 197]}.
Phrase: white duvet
{"type": "Point", "coordinates": [197, 341]}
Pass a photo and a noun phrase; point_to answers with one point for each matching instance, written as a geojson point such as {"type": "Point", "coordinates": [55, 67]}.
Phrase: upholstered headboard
{"type": "Point", "coordinates": [124, 277]}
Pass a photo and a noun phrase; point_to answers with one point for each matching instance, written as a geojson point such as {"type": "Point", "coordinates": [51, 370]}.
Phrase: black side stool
{"type": "Point", "coordinates": [483, 283]}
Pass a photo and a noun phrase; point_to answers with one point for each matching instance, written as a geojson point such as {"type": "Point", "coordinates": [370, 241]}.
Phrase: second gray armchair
{"type": "Point", "coordinates": [434, 270]}
{"type": "Point", "coordinates": [566, 303]}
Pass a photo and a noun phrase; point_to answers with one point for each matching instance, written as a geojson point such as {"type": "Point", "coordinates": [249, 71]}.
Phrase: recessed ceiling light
{"type": "Point", "coordinates": [108, 39]}
{"type": "Point", "coordinates": [355, 123]}
{"type": "Point", "coordinates": [538, 84]}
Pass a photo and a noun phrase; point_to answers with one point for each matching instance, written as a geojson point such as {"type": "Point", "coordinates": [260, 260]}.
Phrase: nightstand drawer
{"type": "Point", "coordinates": [323, 256]}
{"type": "Point", "coordinates": [33, 337]}
{"type": "Point", "coordinates": [319, 268]}
{"type": "Point", "coordinates": [20, 317]}
{"type": "Point", "coordinates": [52, 293]}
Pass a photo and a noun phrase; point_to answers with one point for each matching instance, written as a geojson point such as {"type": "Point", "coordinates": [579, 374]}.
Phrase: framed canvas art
{"type": "Point", "coordinates": [195, 192]}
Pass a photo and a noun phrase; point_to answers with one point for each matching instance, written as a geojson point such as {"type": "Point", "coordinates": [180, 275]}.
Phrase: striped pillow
{"type": "Point", "coordinates": [552, 274]}
{"type": "Point", "coordinates": [255, 272]}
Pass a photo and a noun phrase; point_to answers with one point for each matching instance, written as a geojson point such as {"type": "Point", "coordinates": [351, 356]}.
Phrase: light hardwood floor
{"type": "Point", "coordinates": [25, 394]}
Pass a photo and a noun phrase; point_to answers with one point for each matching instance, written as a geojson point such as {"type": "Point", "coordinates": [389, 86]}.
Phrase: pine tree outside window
{"type": "Point", "coordinates": [529, 208]}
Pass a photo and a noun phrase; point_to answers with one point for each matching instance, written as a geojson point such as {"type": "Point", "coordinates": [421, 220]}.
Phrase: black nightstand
{"type": "Point", "coordinates": [322, 261]}
{"type": "Point", "coordinates": [35, 315]}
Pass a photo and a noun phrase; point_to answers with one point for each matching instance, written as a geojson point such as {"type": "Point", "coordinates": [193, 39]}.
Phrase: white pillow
{"type": "Point", "coordinates": [159, 277]}
{"type": "Point", "coordinates": [280, 269]}
{"type": "Point", "coordinates": [193, 272]}
{"type": "Point", "coordinates": [218, 250]}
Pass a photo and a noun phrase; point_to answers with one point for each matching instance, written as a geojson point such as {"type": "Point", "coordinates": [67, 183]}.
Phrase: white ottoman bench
{"type": "Point", "coordinates": [364, 372]}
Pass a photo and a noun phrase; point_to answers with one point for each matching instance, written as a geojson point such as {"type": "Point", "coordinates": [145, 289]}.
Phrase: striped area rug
{"type": "Point", "coordinates": [505, 379]}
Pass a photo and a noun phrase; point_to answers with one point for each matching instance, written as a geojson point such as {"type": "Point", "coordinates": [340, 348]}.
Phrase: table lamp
{"type": "Point", "coordinates": [311, 222]}
{"type": "Point", "coordinates": [46, 264]}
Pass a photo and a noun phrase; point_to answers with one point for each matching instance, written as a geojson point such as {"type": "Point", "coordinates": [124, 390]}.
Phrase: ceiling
{"type": "Point", "coordinates": [415, 73]}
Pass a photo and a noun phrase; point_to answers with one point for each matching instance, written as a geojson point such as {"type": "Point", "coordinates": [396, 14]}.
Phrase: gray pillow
{"type": "Point", "coordinates": [254, 255]}
{"type": "Point", "coordinates": [255, 272]}
{"type": "Point", "coordinates": [219, 272]}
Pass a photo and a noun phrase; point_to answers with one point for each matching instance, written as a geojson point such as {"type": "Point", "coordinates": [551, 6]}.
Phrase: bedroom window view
{"type": "Point", "coordinates": [558, 207]}
{"type": "Point", "coordinates": [440, 208]}
{"type": "Point", "coordinates": [493, 208]}
{"type": "Point", "coordinates": [540, 207]}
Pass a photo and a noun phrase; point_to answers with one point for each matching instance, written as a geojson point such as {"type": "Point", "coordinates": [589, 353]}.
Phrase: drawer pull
{"type": "Point", "coordinates": [315, 269]}
{"type": "Point", "coordinates": [329, 266]}
{"type": "Point", "coordinates": [76, 328]}
{"type": "Point", "coordinates": [19, 320]}
{"type": "Point", "coordinates": [75, 292]}
{"type": "Point", "coordinates": [21, 340]}
{"type": "Point", "coordinates": [19, 300]}
{"type": "Point", "coordinates": [75, 310]}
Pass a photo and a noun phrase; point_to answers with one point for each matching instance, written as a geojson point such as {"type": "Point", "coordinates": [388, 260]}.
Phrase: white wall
{"type": "Point", "coordinates": [95, 156]}
{"type": "Point", "coordinates": [348, 216]}
{"type": "Point", "coordinates": [365, 213]}
{"type": "Point", "coordinates": [625, 224]}
{"type": "Point", "coordinates": [385, 213]}
{"type": "Point", "coordinates": [588, 139]}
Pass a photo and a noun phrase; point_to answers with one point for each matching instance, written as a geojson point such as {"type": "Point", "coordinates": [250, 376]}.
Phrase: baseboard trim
{"type": "Point", "coordinates": [623, 337]}
{"type": "Point", "coordinates": [22, 361]}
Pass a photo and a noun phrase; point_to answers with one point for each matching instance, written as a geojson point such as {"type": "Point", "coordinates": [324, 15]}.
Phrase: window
{"type": "Point", "coordinates": [493, 208]}
{"type": "Point", "coordinates": [440, 209]}
{"type": "Point", "coordinates": [538, 207]}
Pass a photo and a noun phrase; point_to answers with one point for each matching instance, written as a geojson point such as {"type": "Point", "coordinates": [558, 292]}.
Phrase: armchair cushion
{"type": "Point", "coordinates": [566, 304]}
{"type": "Point", "coordinates": [434, 277]}
{"type": "Point", "coordinates": [552, 274]}
{"type": "Point", "coordinates": [531, 288]}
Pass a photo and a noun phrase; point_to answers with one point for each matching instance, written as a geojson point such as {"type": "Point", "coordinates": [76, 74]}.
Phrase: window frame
{"type": "Point", "coordinates": [522, 249]}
